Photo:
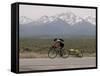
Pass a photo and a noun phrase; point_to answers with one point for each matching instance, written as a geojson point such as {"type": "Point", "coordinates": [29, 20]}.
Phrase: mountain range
{"type": "Point", "coordinates": [64, 24]}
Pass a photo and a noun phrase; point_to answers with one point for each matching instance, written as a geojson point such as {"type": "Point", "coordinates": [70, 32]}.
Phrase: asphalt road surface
{"type": "Point", "coordinates": [57, 63]}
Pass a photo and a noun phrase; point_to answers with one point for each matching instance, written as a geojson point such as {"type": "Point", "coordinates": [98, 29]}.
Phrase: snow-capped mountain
{"type": "Point", "coordinates": [24, 20]}
{"type": "Point", "coordinates": [68, 17]}
{"type": "Point", "coordinates": [66, 24]}
{"type": "Point", "coordinates": [44, 19]}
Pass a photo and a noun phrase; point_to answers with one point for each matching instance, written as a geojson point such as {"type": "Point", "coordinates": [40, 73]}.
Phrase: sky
{"type": "Point", "coordinates": [34, 12]}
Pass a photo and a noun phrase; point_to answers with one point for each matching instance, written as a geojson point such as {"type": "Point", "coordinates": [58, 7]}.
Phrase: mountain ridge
{"type": "Point", "coordinates": [57, 26]}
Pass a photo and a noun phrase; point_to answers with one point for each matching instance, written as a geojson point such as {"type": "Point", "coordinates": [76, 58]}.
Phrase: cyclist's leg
{"type": "Point", "coordinates": [61, 51]}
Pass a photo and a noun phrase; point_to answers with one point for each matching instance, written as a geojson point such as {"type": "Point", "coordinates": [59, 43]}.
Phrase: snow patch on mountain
{"type": "Point", "coordinates": [91, 20]}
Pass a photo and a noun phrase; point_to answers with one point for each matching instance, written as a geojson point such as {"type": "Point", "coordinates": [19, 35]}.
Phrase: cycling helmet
{"type": "Point", "coordinates": [61, 40]}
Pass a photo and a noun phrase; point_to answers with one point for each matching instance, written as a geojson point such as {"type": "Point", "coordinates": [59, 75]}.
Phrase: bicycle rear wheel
{"type": "Point", "coordinates": [64, 53]}
{"type": "Point", "coordinates": [52, 53]}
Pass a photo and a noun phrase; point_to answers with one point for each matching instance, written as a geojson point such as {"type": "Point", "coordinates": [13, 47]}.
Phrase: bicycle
{"type": "Point", "coordinates": [53, 52]}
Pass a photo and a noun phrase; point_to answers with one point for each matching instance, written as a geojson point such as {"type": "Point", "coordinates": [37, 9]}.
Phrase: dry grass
{"type": "Point", "coordinates": [32, 55]}
{"type": "Point", "coordinates": [38, 55]}
{"type": "Point", "coordinates": [38, 48]}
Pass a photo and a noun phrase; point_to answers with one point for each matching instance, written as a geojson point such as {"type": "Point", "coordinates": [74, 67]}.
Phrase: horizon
{"type": "Point", "coordinates": [28, 11]}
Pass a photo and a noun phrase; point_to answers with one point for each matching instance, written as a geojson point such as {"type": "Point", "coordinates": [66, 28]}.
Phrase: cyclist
{"type": "Point", "coordinates": [58, 43]}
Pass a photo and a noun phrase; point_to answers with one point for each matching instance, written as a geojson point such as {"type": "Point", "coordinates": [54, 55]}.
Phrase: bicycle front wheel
{"type": "Point", "coordinates": [52, 53]}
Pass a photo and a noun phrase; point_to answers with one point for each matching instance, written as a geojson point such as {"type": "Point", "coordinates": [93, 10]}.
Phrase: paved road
{"type": "Point", "coordinates": [57, 63]}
